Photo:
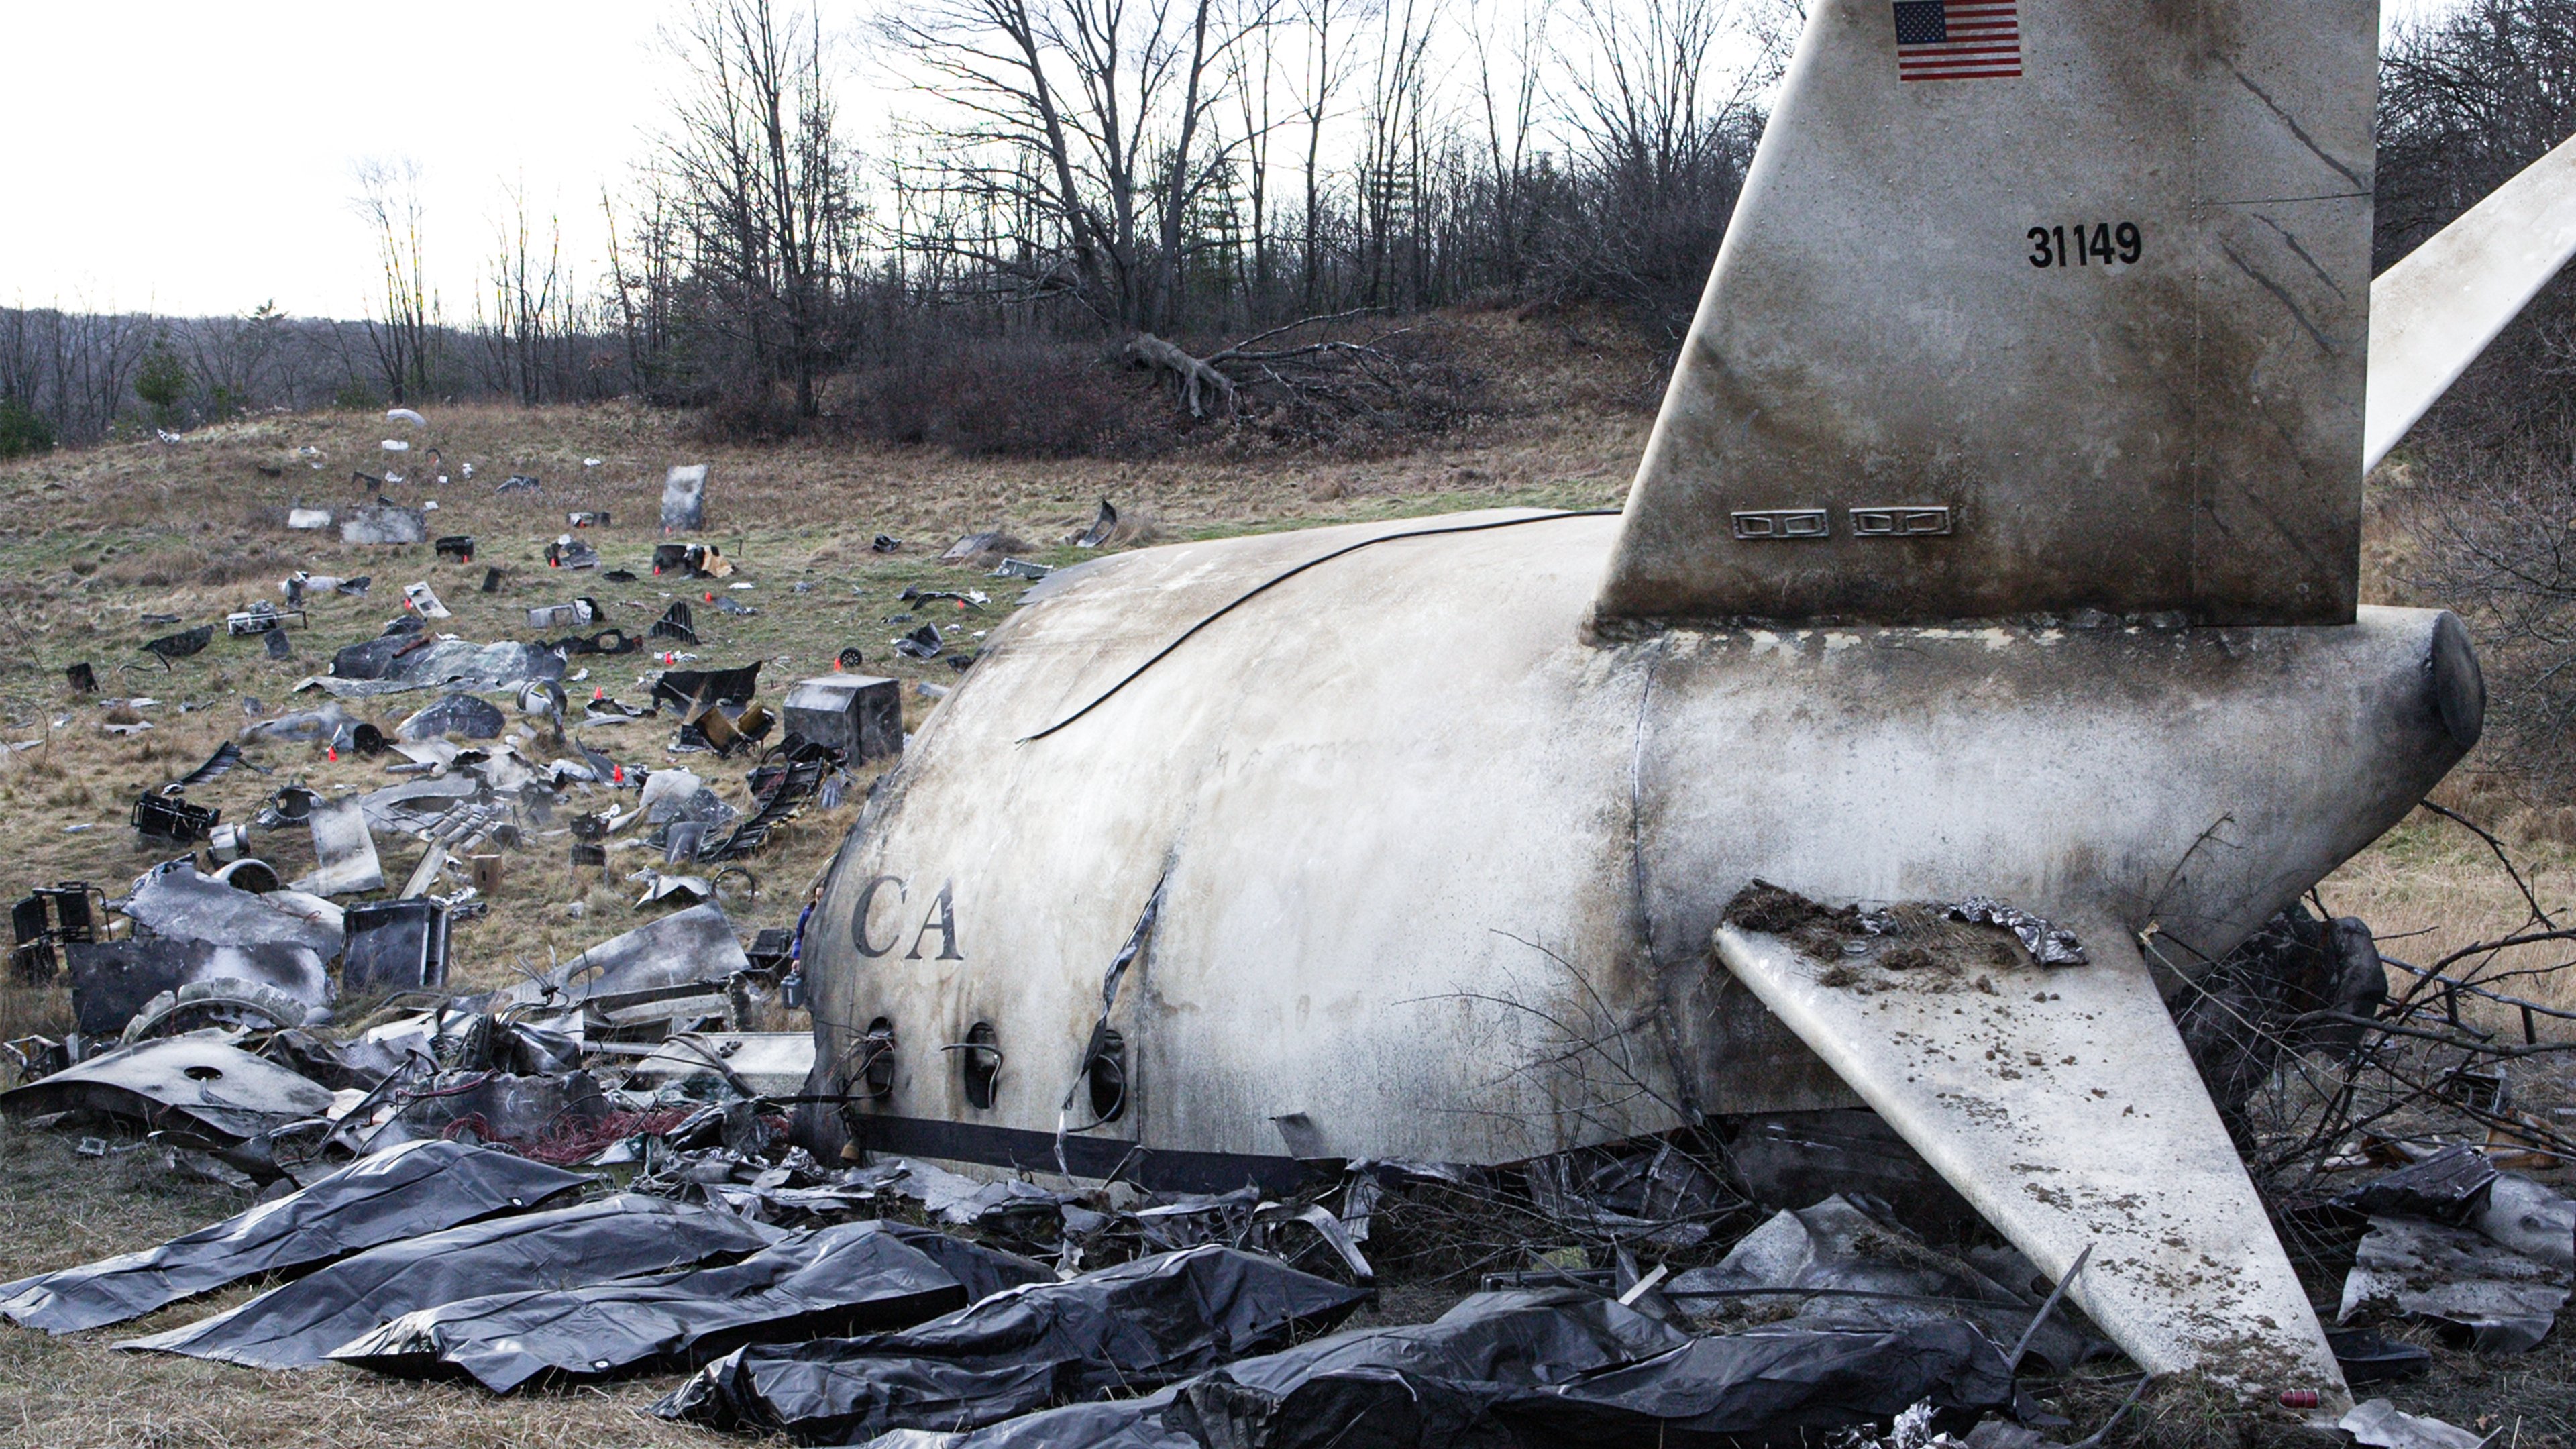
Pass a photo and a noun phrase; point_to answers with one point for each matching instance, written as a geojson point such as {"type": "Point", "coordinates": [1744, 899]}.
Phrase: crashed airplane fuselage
{"type": "Point", "coordinates": [1963, 561]}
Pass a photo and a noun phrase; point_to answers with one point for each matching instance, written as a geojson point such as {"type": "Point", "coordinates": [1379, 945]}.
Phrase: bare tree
{"type": "Point", "coordinates": [759, 171]}
{"type": "Point", "coordinates": [388, 200]}
{"type": "Point", "coordinates": [1508, 93]}
{"type": "Point", "coordinates": [1329, 55]}
{"type": "Point", "coordinates": [533, 316]}
{"type": "Point", "coordinates": [1094, 118]}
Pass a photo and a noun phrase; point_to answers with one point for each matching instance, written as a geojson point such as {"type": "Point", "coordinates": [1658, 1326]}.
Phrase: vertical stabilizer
{"type": "Point", "coordinates": [2031, 306]}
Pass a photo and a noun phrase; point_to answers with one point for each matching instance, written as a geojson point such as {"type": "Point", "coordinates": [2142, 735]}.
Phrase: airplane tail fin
{"type": "Point", "coordinates": [2030, 306]}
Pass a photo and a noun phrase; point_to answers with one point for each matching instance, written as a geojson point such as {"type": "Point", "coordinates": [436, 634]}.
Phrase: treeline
{"type": "Point", "coordinates": [1246, 196]}
{"type": "Point", "coordinates": [1067, 176]}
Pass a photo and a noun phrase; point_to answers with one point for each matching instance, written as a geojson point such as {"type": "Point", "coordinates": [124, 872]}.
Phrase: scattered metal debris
{"type": "Point", "coordinates": [1102, 526]}
{"type": "Point", "coordinates": [921, 643]}
{"type": "Point", "coordinates": [48, 918]}
{"type": "Point", "coordinates": [398, 945]}
{"type": "Point", "coordinates": [859, 717]}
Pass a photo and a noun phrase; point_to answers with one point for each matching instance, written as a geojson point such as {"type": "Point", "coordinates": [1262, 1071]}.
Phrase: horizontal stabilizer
{"type": "Point", "coordinates": [2436, 310]}
{"type": "Point", "coordinates": [2062, 1105]}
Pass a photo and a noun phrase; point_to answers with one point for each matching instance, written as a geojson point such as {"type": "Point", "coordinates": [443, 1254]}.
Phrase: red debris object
{"type": "Point", "coordinates": [2299, 1398]}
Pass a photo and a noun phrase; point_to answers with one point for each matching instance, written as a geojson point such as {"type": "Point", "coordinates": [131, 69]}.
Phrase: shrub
{"type": "Point", "coordinates": [162, 381]}
{"type": "Point", "coordinates": [23, 430]}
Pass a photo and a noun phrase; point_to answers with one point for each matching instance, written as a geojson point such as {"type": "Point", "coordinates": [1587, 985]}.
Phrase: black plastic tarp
{"type": "Point", "coordinates": [1770, 1384]}
{"type": "Point", "coordinates": [1135, 1326]}
{"type": "Point", "coordinates": [1533, 1368]}
{"type": "Point", "coordinates": [422, 1187]}
{"type": "Point", "coordinates": [856, 1277]}
{"type": "Point", "coordinates": [297, 1326]}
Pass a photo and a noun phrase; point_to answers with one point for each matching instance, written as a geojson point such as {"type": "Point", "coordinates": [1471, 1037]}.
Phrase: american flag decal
{"type": "Point", "coordinates": [1957, 39]}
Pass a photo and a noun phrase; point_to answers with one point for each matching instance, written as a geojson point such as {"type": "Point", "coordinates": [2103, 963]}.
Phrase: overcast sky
{"type": "Point", "coordinates": [194, 158]}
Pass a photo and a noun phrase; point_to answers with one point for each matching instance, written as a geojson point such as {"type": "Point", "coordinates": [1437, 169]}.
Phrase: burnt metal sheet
{"type": "Point", "coordinates": [687, 691]}
{"type": "Point", "coordinates": [217, 765]}
{"type": "Point", "coordinates": [445, 662]}
{"type": "Point", "coordinates": [773, 1063]}
{"type": "Point", "coordinates": [2495, 1299]}
{"type": "Point", "coordinates": [1135, 1326]}
{"type": "Point", "coordinates": [181, 644]}
{"type": "Point", "coordinates": [462, 715]}
{"type": "Point", "coordinates": [197, 1079]}
{"type": "Point", "coordinates": [181, 904]}
{"type": "Point", "coordinates": [684, 498]}
{"type": "Point", "coordinates": [420, 1187]}
{"type": "Point", "coordinates": [2444, 1188]}
{"type": "Point", "coordinates": [111, 980]}
{"type": "Point", "coordinates": [298, 1324]}
{"type": "Point", "coordinates": [413, 803]}
{"type": "Point", "coordinates": [683, 949]}
{"type": "Point", "coordinates": [346, 852]}
{"type": "Point", "coordinates": [855, 1277]}
{"type": "Point", "coordinates": [380, 523]}
{"type": "Point", "coordinates": [395, 946]}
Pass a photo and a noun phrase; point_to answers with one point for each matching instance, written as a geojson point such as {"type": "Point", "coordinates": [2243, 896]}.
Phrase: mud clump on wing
{"type": "Point", "coordinates": [1916, 944]}
{"type": "Point", "coordinates": [1769, 910]}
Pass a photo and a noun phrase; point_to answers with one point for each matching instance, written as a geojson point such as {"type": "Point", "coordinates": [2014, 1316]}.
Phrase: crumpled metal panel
{"type": "Point", "coordinates": [200, 1077]}
{"type": "Point", "coordinates": [456, 662]}
{"type": "Point", "coordinates": [850, 1278]}
{"type": "Point", "coordinates": [421, 1187]}
{"type": "Point", "coordinates": [299, 1324]}
{"type": "Point", "coordinates": [681, 949]}
{"type": "Point", "coordinates": [2499, 1273]}
{"type": "Point", "coordinates": [1135, 1326]}
{"type": "Point", "coordinates": [179, 903]}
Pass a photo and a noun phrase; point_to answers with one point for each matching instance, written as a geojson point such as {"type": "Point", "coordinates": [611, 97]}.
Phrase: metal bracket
{"type": "Point", "coordinates": [1900, 521]}
{"type": "Point", "coordinates": [1779, 523]}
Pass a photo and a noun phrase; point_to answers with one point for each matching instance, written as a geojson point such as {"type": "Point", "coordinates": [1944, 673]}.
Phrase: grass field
{"type": "Point", "coordinates": [91, 543]}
